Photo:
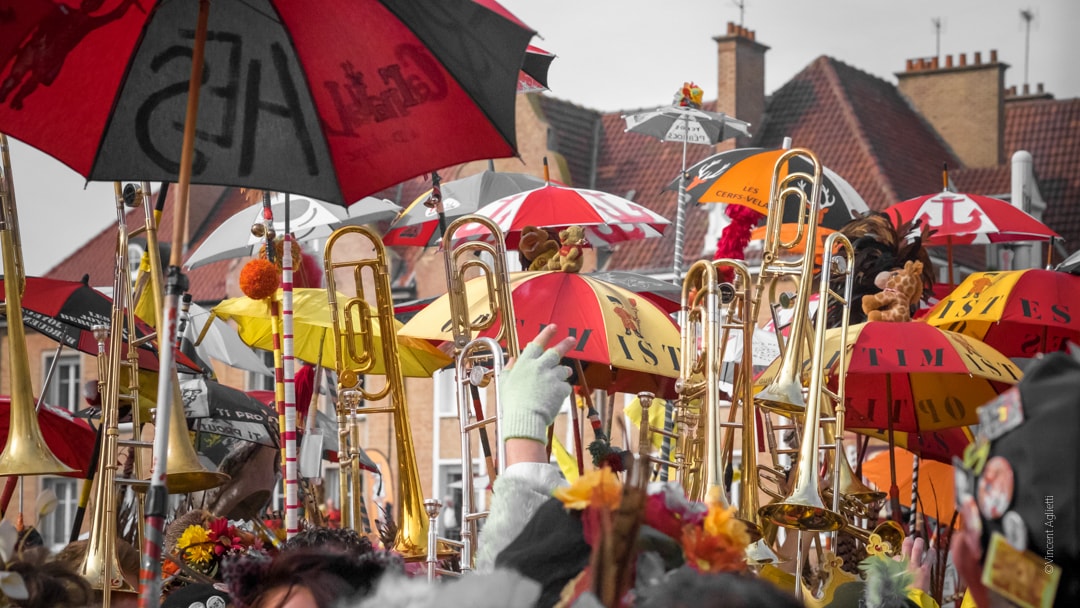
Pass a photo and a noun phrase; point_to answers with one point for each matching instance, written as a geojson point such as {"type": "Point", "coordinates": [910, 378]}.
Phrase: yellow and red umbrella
{"type": "Point", "coordinates": [939, 445]}
{"type": "Point", "coordinates": [613, 326]}
{"type": "Point", "coordinates": [934, 378]}
{"type": "Point", "coordinates": [314, 336]}
{"type": "Point", "coordinates": [1021, 312]}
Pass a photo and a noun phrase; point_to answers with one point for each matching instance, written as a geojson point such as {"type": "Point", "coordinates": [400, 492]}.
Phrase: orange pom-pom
{"type": "Point", "coordinates": [259, 279]}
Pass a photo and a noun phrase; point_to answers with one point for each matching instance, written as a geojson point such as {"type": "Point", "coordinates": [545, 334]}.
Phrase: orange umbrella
{"type": "Point", "coordinates": [936, 482]}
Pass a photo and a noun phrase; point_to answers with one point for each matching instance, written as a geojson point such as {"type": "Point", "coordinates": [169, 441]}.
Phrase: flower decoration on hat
{"type": "Point", "coordinates": [599, 488]}
{"type": "Point", "coordinates": [202, 547]}
{"type": "Point", "coordinates": [689, 96]}
{"type": "Point", "coordinates": [719, 544]}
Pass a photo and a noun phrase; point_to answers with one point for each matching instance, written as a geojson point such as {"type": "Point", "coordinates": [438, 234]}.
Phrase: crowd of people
{"type": "Point", "coordinates": [539, 546]}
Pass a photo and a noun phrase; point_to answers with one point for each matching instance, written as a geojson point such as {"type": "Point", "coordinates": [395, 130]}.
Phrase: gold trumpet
{"type": "Point", "coordinates": [478, 361]}
{"type": "Point", "coordinates": [355, 361]}
{"type": "Point", "coordinates": [26, 452]}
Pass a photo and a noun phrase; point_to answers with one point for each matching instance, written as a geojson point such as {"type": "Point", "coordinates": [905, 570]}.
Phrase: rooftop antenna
{"type": "Point", "coordinates": [741, 4]}
{"type": "Point", "coordinates": [937, 36]}
{"type": "Point", "coordinates": [1027, 15]}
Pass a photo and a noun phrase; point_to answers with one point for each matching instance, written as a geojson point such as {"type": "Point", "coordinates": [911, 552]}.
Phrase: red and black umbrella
{"type": "Point", "coordinates": [67, 312]}
{"type": "Point", "coordinates": [334, 101]}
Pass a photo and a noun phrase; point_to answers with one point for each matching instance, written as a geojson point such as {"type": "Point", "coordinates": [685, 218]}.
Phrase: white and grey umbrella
{"type": "Point", "coordinates": [688, 125]}
{"type": "Point", "coordinates": [309, 219]}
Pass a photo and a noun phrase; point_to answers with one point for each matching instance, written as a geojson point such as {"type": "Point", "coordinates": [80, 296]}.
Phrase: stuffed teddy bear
{"type": "Point", "coordinates": [569, 258]}
{"type": "Point", "coordinates": [901, 287]}
{"type": "Point", "coordinates": [536, 247]}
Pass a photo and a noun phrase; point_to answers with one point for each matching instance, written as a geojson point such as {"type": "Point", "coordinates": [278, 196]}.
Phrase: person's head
{"type": "Point", "coordinates": [305, 578]}
{"type": "Point", "coordinates": [1024, 501]}
{"type": "Point", "coordinates": [49, 584]}
{"type": "Point", "coordinates": [687, 588]}
{"type": "Point", "coordinates": [127, 557]}
{"type": "Point", "coordinates": [342, 540]}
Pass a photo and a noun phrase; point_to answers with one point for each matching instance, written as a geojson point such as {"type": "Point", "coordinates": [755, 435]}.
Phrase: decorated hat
{"type": "Point", "coordinates": [197, 596]}
{"type": "Point", "coordinates": [1019, 485]}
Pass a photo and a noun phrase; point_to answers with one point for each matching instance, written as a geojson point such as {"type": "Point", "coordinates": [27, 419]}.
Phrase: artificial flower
{"type": "Point", "coordinates": [196, 545]}
{"type": "Point", "coordinates": [668, 510]}
{"type": "Point", "coordinates": [718, 545]}
{"type": "Point", "coordinates": [599, 488]}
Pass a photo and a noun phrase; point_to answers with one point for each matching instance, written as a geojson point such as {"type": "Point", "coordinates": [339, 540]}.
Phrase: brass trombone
{"type": "Point", "coordinates": [785, 392]}
{"type": "Point", "coordinates": [697, 450]}
{"type": "Point", "coordinates": [478, 361]}
{"type": "Point", "coordinates": [354, 345]}
{"type": "Point", "coordinates": [119, 375]}
{"type": "Point", "coordinates": [26, 452]}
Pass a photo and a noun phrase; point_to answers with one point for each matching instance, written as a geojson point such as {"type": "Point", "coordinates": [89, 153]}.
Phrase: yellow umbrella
{"type": "Point", "coordinates": [313, 335]}
{"type": "Point", "coordinates": [613, 326]}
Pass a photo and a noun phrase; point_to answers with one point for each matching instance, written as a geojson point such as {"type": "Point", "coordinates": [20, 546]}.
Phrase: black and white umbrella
{"type": "Point", "coordinates": [689, 125]}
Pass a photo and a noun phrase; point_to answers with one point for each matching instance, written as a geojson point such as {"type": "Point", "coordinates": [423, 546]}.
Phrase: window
{"type": "Point", "coordinates": [445, 393]}
{"type": "Point", "coordinates": [450, 489]}
{"type": "Point", "coordinates": [262, 382]}
{"type": "Point", "coordinates": [135, 254]}
{"type": "Point", "coordinates": [55, 528]}
{"type": "Point", "coordinates": [64, 387]}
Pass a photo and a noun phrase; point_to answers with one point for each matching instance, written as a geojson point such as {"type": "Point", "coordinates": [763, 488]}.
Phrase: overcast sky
{"type": "Point", "coordinates": [628, 54]}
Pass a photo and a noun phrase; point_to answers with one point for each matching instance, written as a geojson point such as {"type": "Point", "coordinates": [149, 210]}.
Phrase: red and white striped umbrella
{"type": "Point", "coordinates": [605, 217]}
{"type": "Point", "coordinates": [971, 219]}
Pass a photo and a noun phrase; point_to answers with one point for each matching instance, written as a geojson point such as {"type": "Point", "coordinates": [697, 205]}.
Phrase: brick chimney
{"type": "Point", "coordinates": [742, 80]}
{"type": "Point", "coordinates": [964, 101]}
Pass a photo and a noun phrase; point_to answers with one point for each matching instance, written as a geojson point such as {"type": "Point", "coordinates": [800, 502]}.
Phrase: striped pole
{"type": "Point", "coordinates": [913, 521]}
{"type": "Point", "coordinates": [292, 502]}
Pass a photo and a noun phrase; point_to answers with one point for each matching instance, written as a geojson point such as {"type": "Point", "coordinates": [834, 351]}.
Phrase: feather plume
{"type": "Point", "coordinates": [887, 582]}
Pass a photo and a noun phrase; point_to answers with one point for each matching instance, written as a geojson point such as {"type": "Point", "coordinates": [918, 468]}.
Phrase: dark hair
{"type": "Point", "coordinates": [332, 539]}
{"type": "Point", "coordinates": [127, 557]}
{"type": "Point", "coordinates": [49, 584]}
{"type": "Point", "coordinates": [687, 588]}
{"type": "Point", "coordinates": [329, 576]}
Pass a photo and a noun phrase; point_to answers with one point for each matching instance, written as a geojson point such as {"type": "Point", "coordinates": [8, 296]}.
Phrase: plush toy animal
{"type": "Point", "coordinates": [901, 288]}
{"type": "Point", "coordinates": [537, 248]}
{"type": "Point", "coordinates": [569, 258]}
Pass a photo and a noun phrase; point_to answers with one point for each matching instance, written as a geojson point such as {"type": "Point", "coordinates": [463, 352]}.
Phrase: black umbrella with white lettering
{"type": "Point", "coordinates": [217, 409]}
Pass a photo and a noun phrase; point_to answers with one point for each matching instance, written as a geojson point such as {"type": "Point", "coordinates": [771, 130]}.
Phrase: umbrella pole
{"type": "Point", "coordinates": [948, 253]}
{"type": "Point", "coordinates": [157, 494]}
{"type": "Point", "coordinates": [292, 503]}
{"type": "Point", "coordinates": [577, 434]}
{"type": "Point", "coordinates": [913, 521]}
{"type": "Point", "coordinates": [894, 490]}
{"type": "Point", "coordinates": [680, 213]}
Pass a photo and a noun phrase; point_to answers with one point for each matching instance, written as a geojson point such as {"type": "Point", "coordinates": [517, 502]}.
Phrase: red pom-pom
{"type": "Point", "coordinates": [259, 279]}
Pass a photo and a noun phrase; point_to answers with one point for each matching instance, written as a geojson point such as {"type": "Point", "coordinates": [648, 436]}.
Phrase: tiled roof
{"type": "Point", "coordinates": [639, 167]}
{"type": "Point", "coordinates": [1050, 130]}
{"type": "Point", "coordinates": [574, 135]}
{"type": "Point", "coordinates": [991, 181]}
{"type": "Point", "coordinates": [208, 207]}
{"type": "Point", "coordinates": [857, 124]}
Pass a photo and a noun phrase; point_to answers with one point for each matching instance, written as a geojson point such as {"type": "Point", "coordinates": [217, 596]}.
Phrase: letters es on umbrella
{"type": "Point", "coordinates": [335, 103]}
{"type": "Point", "coordinates": [1019, 312]}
